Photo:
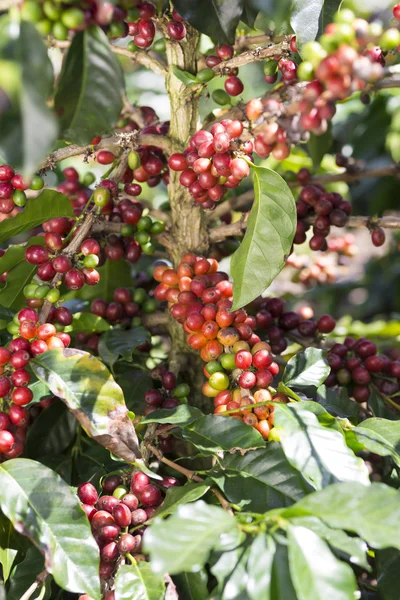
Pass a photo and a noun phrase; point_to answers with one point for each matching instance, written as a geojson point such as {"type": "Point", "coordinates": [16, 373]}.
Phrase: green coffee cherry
{"type": "Point", "coordinates": [221, 97]}
{"type": "Point", "coordinates": [120, 492]}
{"type": "Point", "coordinates": [101, 196]}
{"type": "Point", "coordinates": [31, 11]}
{"type": "Point", "coordinates": [144, 224]}
{"type": "Point", "coordinates": [91, 261]}
{"type": "Point", "coordinates": [313, 52]}
{"type": "Point", "coordinates": [133, 160]}
{"type": "Point", "coordinates": [205, 75]}
{"type": "Point", "coordinates": [53, 295]}
{"type": "Point", "coordinates": [60, 32]}
{"type": "Point", "coordinates": [127, 230]}
{"type": "Point", "coordinates": [181, 390]}
{"type": "Point", "coordinates": [15, 319]}
{"type": "Point", "coordinates": [270, 67]}
{"type": "Point", "coordinates": [344, 16]}
{"type": "Point", "coordinates": [213, 367]}
{"type": "Point", "coordinates": [29, 290]}
{"type": "Point", "coordinates": [148, 249]}
{"type": "Point", "coordinates": [149, 306]}
{"type": "Point", "coordinates": [139, 295]}
{"type": "Point", "coordinates": [41, 291]}
{"type": "Point", "coordinates": [19, 198]}
{"type": "Point", "coordinates": [305, 71]}
{"type": "Point", "coordinates": [160, 45]}
{"type": "Point", "coordinates": [390, 39]}
{"type": "Point", "coordinates": [88, 179]}
{"type": "Point", "coordinates": [142, 237]}
{"type": "Point", "coordinates": [44, 27]}
{"type": "Point", "coordinates": [37, 183]}
{"type": "Point", "coordinates": [72, 18]}
{"type": "Point", "coordinates": [13, 328]}
{"type": "Point", "coordinates": [219, 381]}
{"type": "Point", "coordinates": [157, 227]}
{"type": "Point", "coordinates": [228, 361]}
{"type": "Point", "coordinates": [52, 11]}
{"type": "Point", "coordinates": [132, 47]}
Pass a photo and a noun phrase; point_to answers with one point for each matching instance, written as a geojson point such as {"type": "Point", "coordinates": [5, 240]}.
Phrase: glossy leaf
{"type": "Point", "coordinates": [48, 205]}
{"type": "Point", "coordinates": [231, 573]}
{"type": "Point", "coordinates": [217, 19]}
{"type": "Point", "coordinates": [41, 506]}
{"type": "Point", "coordinates": [372, 512]}
{"type": "Point", "coordinates": [138, 582]}
{"type": "Point", "coordinates": [268, 238]}
{"type": "Point", "coordinates": [211, 434]}
{"type": "Point", "coordinates": [134, 383]}
{"type": "Point", "coordinates": [11, 543]}
{"type": "Point", "coordinates": [51, 432]}
{"type": "Point", "coordinates": [89, 90]}
{"type": "Point", "coordinates": [180, 415]}
{"type": "Point", "coordinates": [337, 402]}
{"type": "Point", "coordinates": [388, 565]}
{"type": "Point", "coordinates": [184, 541]}
{"type": "Point", "coordinates": [120, 342]}
{"type": "Point", "coordinates": [192, 586]}
{"type": "Point", "coordinates": [25, 573]}
{"type": "Point", "coordinates": [20, 272]}
{"type": "Point", "coordinates": [261, 479]}
{"type": "Point", "coordinates": [83, 322]}
{"type": "Point", "coordinates": [281, 582]}
{"type": "Point", "coordinates": [315, 571]}
{"type": "Point", "coordinates": [380, 436]}
{"type": "Point", "coordinates": [310, 16]}
{"type": "Point", "coordinates": [259, 582]}
{"type": "Point", "coordinates": [306, 368]}
{"type": "Point", "coordinates": [28, 127]}
{"type": "Point", "coordinates": [181, 495]}
{"type": "Point", "coordinates": [91, 394]}
{"type": "Point", "coordinates": [353, 548]}
{"type": "Point", "coordinates": [319, 453]}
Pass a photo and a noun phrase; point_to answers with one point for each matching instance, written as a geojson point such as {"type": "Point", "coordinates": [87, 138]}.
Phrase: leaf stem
{"type": "Point", "coordinates": [37, 583]}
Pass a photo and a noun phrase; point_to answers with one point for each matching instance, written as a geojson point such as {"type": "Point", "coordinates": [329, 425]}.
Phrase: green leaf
{"type": "Point", "coordinates": [353, 548]}
{"type": "Point", "coordinates": [138, 582]}
{"type": "Point", "coordinates": [41, 506]}
{"type": "Point", "coordinates": [181, 495]}
{"type": "Point", "coordinates": [281, 583]}
{"type": "Point", "coordinates": [48, 205]}
{"type": "Point", "coordinates": [184, 414]}
{"type": "Point", "coordinates": [89, 90]}
{"type": "Point", "coordinates": [337, 402]}
{"type": "Point", "coordinates": [11, 543]}
{"type": "Point", "coordinates": [192, 586]}
{"type": "Point", "coordinates": [315, 571]}
{"type": "Point", "coordinates": [51, 432]}
{"type": "Point", "coordinates": [91, 394]}
{"type": "Point", "coordinates": [261, 479]}
{"type": "Point", "coordinates": [134, 383]}
{"type": "Point", "coordinates": [211, 434]}
{"type": "Point", "coordinates": [187, 78]}
{"type": "Point", "coordinates": [121, 342]}
{"type": "Point", "coordinates": [319, 453]}
{"type": "Point", "coordinates": [266, 245]}
{"type": "Point", "coordinates": [319, 145]}
{"type": "Point", "coordinates": [231, 573]}
{"type": "Point", "coordinates": [306, 368]}
{"type": "Point", "coordinates": [25, 573]}
{"type": "Point", "coordinates": [184, 541]}
{"type": "Point", "coordinates": [388, 565]}
{"type": "Point", "coordinates": [218, 19]}
{"type": "Point", "coordinates": [20, 273]}
{"type": "Point", "coordinates": [380, 436]}
{"type": "Point", "coordinates": [87, 323]}
{"type": "Point", "coordinates": [28, 127]}
{"type": "Point", "coordinates": [259, 582]}
{"type": "Point", "coordinates": [249, 14]}
{"type": "Point", "coordinates": [310, 16]}
{"type": "Point", "coordinates": [372, 512]}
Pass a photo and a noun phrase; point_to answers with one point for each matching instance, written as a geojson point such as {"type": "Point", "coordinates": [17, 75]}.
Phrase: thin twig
{"type": "Point", "coordinates": [253, 55]}
{"type": "Point", "coordinates": [191, 475]}
{"type": "Point", "coordinates": [32, 589]}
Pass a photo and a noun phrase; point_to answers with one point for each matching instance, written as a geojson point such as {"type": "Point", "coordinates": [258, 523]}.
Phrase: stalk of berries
{"type": "Point", "coordinates": [13, 187]}
{"type": "Point", "coordinates": [232, 84]}
{"type": "Point", "coordinates": [326, 208]}
{"type": "Point", "coordinates": [213, 162]}
{"type": "Point", "coordinates": [119, 514]}
{"type": "Point", "coordinates": [357, 365]}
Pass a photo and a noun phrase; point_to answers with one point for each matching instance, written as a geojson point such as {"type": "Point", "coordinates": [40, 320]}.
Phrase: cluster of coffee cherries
{"type": "Point", "coordinates": [343, 245]}
{"type": "Point", "coordinates": [143, 28]}
{"type": "Point", "coordinates": [286, 67]}
{"type": "Point", "coordinates": [13, 187]}
{"type": "Point", "coordinates": [119, 514]}
{"type": "Point", "coordinates": [213, 162]}
{"type": "Point", "coordinates": [233, 85]}
{"type": "Point", "coordinates": [166, 394]}
{"type": "Point", "coordinates": [356, 364]}
{"type": "Point", "coordinates": [327, 208]}
{"type": "Point", "coordinates": [309, 271]}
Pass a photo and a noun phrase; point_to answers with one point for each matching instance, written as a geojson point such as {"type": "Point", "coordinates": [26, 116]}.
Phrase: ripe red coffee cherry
{"type": "Point", "coordinates": [90, 246]}
{"type": "Point", "coordinates": [7, 441]}
{"type": "Point", "coordinates": [111, 482]}
{"type": "Point", "coordinates": [122, 515]}
{"type": "Point", "coordinates": [262, 359]}
{"type": "Point", "coordinates": [61, 264]}
{"type": "Point", "coordinates": [109, 552]}
{"type": "Point", "coordinates": [21, 396]}
{"type": "Point", "coordinates": [176, 30]}
{"type": "Point", "coordinates": [326, 324]}
{"type": "Point", "coordinates": [177, 162]}
{"type": "Point", "coordinates": [5, 386]}
{"type": "Point", "coordinates": [87, 493]}
{"type": "Point", "coordinates": [6, 173]}
{"type": "Point", "coordinates": [378, 236]}
{"type": "Point", "coordinates": [396, 12]}
{"type": "Point", "coordinates": [150, 495]}
{"type": "Point", "coordinates": [126, 543]}
{"type": "Point", "coordinates": [131, 501]}
{"type": "Point", "coordinates": [139, 516]}
{"type": "Point", "coordinates": [139, 482]}
{"type": "Point", "coordinates": [18, 415]}
{"type": "Point", "coordinates": [168, 380]}
{"type": "Point", "coordinates": [105, 157]}
{"type": "Point", "coordinates": [233, 85]}
{"type": "Point", "coordinates": [107, 503]}
{"type": "Point", "coordinates": [247, 380]}
{"type": "Point", "coordinates": [74, 279]}
{"type": "Point", "coordinates": [243, 359]}
{"type": "Point", "coordinates": [36, 255]}
{"type": "Point", "coordinates": [38, 347]}
{"type": "Point", "coordinates": [5, 356]}
{"type": "Point", "coordinates": [101, 519]}
{"type": "Point", "coordinates": [63, 316]}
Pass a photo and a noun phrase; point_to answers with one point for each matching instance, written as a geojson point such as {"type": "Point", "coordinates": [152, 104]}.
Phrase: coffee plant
{"type": "Point", "coordinates": [199, 309]}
